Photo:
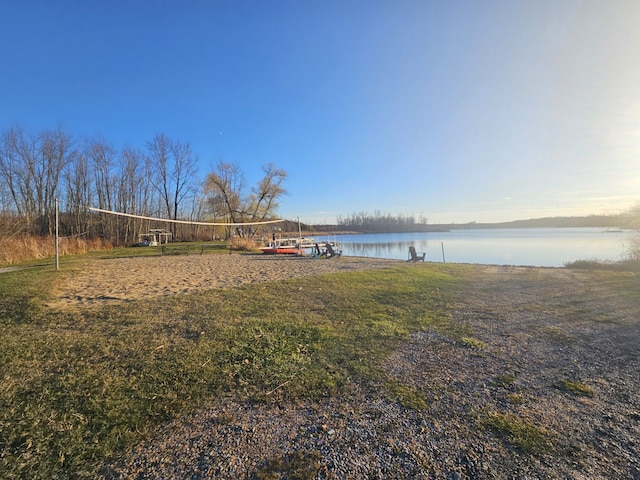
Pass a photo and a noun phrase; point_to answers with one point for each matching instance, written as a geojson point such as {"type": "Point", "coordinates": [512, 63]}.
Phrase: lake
{"type": "Point", "coordinates": [542, 247]}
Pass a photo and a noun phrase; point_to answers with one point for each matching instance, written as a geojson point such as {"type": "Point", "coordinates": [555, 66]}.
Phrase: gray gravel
{"type": "Point", "coordinates": [536, 327]}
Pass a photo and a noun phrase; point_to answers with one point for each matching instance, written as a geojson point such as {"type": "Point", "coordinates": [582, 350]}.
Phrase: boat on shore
{"type": "Point", "coordinates": [294, 246]}
{"type": "Point", "coordinates": [288, 246]}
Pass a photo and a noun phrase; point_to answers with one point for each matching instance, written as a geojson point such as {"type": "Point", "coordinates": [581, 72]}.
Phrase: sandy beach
{"type": "Point", "coordinates": [127, 279]}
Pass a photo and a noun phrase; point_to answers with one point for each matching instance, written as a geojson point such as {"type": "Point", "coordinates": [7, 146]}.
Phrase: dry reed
{"type": "Point", "coordinates": [20, 249]}
{"type": "Point", "coordinates": [243, 244]}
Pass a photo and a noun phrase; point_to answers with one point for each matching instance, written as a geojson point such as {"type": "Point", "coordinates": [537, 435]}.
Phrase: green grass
{"type": "Point", "coordinates": [520, 432]}
{"type": "Point", "coordinates": [406, 396]}
{"type": "Point", "coordinates": [82, 386]}
{"type": "Point", "coordinates": [577, 388]}
{"type": "Point", "coordinates": [22, 293]}
{"type": "Point", "coordinates": [472, 343]}
{"type": "Point", "coordinates": [505, 380]}
{"type": "Point", "coordinates": [215, 247]}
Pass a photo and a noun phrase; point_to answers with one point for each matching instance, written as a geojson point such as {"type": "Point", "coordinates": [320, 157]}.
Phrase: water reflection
{"type": "Point", "coordinates": [550, 247]}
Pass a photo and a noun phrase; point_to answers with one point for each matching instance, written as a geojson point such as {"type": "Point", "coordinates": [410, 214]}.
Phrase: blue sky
{"type": "Point", "coordinates": [453, 110]}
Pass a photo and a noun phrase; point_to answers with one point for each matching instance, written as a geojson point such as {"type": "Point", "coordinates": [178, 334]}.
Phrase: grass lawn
{"type": "Point", "coordinates": [81, 386]}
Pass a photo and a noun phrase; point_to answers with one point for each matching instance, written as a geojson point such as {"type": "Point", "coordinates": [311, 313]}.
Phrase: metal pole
{"type": "Point", "coordinates": [442, 245]}
{"type": "Point", "coordinates": [57, 239]}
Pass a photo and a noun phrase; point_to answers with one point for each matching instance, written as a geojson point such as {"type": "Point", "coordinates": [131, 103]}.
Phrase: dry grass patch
{"type": "Point", "coordinates": [15, 250]}
{"type": "Point", "coordinates": [520, 432]}
{"type": "Point", "coordinates": [577, 388]}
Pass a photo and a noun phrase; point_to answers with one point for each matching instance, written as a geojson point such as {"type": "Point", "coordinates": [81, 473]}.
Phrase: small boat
{"type": "Point", "coordinates": [281, 251]}
{"type": "Point", "coordinates": [293, 246]}
{"type": "Point", "coordinates": [297, 245]}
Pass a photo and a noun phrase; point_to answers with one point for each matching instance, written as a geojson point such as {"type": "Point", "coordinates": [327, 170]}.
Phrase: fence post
{"type": "Point", "coordinates": [57, 240]}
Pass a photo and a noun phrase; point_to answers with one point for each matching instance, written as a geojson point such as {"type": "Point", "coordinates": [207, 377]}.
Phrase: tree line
{"type": "Point", "coordinates": [378, 222]}
{"type": "Point", "coordinates": [160, 180]}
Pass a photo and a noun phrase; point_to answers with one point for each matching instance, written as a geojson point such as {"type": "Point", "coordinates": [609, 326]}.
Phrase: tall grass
{"type": "Point", "coordinates": [629, 261]}
{"type": "Point", "coordinates": [21, 249]}
{"type": "Point", "coordinates": [629, 264]}
{"type": "Point", "coordinates": [243, 244]}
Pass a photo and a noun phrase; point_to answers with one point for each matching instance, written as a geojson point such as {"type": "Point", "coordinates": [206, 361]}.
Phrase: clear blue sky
{"type": "Point", "coordinates": [455, 110]}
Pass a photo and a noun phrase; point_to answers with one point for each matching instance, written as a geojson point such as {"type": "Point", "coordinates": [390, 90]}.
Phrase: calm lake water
{"type": "Point", "coordinates": [543, 247]}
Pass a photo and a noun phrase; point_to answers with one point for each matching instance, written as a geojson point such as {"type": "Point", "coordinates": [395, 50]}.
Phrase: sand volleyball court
{"type": "Point", "coordinates": [126, 279]}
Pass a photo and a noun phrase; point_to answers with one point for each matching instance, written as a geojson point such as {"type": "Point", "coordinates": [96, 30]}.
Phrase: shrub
{"type": "Point", "coordinates": [243, 244]}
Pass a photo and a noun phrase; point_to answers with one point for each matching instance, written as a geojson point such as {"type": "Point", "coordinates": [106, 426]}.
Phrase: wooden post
{"type": "Point", "coordinates": [57, 239]}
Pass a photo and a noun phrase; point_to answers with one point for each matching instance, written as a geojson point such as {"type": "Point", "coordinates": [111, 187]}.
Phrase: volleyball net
{"type": "Point", "coordinates": [185, 222]}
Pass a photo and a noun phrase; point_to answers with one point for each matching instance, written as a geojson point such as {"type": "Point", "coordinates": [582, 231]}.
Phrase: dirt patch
{"type": "Point", "coordinates": [10, 269]}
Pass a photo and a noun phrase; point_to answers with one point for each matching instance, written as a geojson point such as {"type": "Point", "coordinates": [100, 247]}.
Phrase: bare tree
{"type": "Point", "coordinates": [130, 192]}
{"type": "Point", "coordinates": [227, 196]}
{"type": "Point", "coordinates": [12, 169]}
{"type": "Point", "coordinates": [264, 198]}
{"type": "Point", "coordinates": [103, 163]}
{"type": "Point", "coordinates": [174, 170]}
{"type": "Point", "coordinates": [631, 218]}
{"type": "Point", "coordinates": [159, 158]}
{"type": "Point", "coordinates": [31, 167]}
{"type": "Point", "coordinates": [182, 178]}
{"type": "Point", "coordinates": [225, 187]}
{"type": "Point", "coordinates": [37, 169]}
{"type": "Point", "coordinates": [100, 176]}
{"type": "Point", "coordinates": [80, 193]}
{"type": "Point", "coordinates": [56, 152]}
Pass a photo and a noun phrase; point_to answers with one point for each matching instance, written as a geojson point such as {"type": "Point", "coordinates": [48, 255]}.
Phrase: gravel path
{"type": "Point", "coordinates": [533, 329]}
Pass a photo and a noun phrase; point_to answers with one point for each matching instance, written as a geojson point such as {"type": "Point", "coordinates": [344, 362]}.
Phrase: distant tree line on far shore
{"type": "Point", "coordinates": [378, 222]}
{"type": "Point", "coordinates": [622, 220]}
{"type": "Point", "coordinates": [364, 222]}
